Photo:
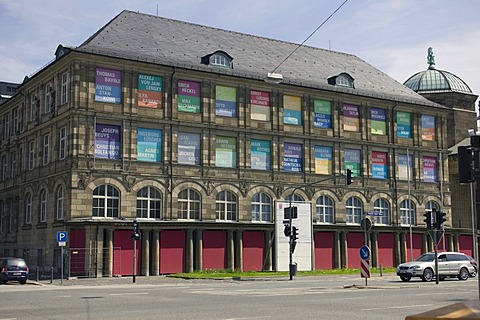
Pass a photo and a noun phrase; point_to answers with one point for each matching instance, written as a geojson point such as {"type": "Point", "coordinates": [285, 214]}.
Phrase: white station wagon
{"type": "Point", "coordinates": [450, 264]}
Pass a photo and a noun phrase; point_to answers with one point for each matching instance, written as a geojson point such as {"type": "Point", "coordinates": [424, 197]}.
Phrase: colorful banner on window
{"type": "Point", "coordinates": [292, 157]}
{"type": "Point", "coordinates": [188, 96]}
{"type": "Point", "coordinates": [351, 117]}
{"type": "Point", "coordinates": [378, 121]}
{"type": "Point", "coordinates": [322, 114]}
{"type": "Point", "coordinates": [108, 85]}
{"type": "Point", "coordinates": [189, 148]}
{"type": "Point", "coordinates": [292, 110]}
{"type": "Point", "coordinates": [150, 90]}
{"type": "Point", "coordinates": [323, 160]}
{"type": "Point", "coordinates": [108, 141]}
{"type": "Point", "coordinates": [260, 105]}
{"type": "Point", "coordinates": [225, 101]}
{"type": "Point", "coordinates": [260, 154]}
{"type": "Point", "coordinates": [352, 161]}
{"type": "Point", "coordinates": [149, 145]}
{"type": "Point", "coordinates": [429, 169]}
{"type": "Point", "coordinates": [379, 165]}
{"type": "Point", "coordinates": [405, 167]}
{"type": "Point", "coordinates": [428, 128]}
{"type": "Point", "coordinates": [404, 124]}
{"type": "Point", "coordinates": [226, 152]}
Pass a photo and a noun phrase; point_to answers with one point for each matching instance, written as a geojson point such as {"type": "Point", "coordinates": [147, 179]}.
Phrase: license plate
{"type": "Point", "coordinates": [17, 273]}
{"type": "Point", "coordinates": [402, 271]}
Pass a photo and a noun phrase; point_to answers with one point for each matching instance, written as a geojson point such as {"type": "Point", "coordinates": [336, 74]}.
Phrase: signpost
{"type": "Point", "coordinates": [62, 238]}
{"type": "Point", "coordinates": [365, 254]}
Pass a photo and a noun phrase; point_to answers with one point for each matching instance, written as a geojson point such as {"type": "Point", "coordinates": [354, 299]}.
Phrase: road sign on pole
{"type": "Point", "coordinates": [365, 252]}
{"type": "Point", "coordinates": [365, 269]}
{"type": "Point", "coordinates": [62, 236]}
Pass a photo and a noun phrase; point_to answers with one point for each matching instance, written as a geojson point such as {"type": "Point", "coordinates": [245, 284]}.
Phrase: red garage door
{"type": "Point", "coordinates": [355, 241]}
{"type": "Point", "coordinates": [77, 253]}
{"type": "Point", "coordinates": [324, 250]}
{"type": "Point", "coordinates": [386, 249]}
{"type": "Point", "coordinates": [465, 244]}
{"type": "Point", "coordinates": [253, 250]}
{"type": "Point", "coordinates": [123, 256]}
{"type": "Point", "coordinates": [416, 249]}
{"type": "Point", "coordinates": [214, 250]}
{"type": "Point", "coordinates": [172, 251]}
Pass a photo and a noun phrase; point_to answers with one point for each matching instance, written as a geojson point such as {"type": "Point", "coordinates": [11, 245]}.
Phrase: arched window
{"type": "Point", "coordinates": [296, 198]}
{"type": "Point", "coordinates": [190, 203]}
{"type": "Point", "coordinates": [28, 209]}
{"type": "Point", "coordinates": [432, 205]}
{"type": "Point", "coordinates": [43, 206]}
{"type": "Point", "coordinates": [261, 207]}
{"type": "Point", "coordinates": [325, 210]}
{"type": "Point", "coordinates": [149, 203]}
{"type": "Point", "coordinates": [354, 210]}
{"type": "Point", "coordinates": [407, 212]}
{"type": "Point", "coordinates": [382, 206]}
{"type": "Point", "coordinates": [106, 201]}
{"type": "Point", "coordinates": [59, 206]}
{"type": "Point", "coordinates": [226, 205]}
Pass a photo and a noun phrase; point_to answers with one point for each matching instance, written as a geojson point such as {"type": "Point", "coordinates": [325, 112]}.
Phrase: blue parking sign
{"type": "Point", "coordinates": [62, 236]}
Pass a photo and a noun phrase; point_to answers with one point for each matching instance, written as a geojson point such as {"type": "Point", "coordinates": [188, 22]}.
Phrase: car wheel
{"type": "Point", "coordinates": [441, 278]}
{"type": "Point", "coordinates": [474, 273]}
{"type": "Point", "coordinates": [463, 275]}
{"type": "Point", "coordinates": [427, 275]}
{"type": "Point", "coordinates": [23, 281]}
{"type": "Point", "coordinates": [405, 278]}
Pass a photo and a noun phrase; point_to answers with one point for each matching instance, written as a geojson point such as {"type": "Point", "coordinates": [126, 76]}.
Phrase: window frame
{"type": "Point", "coordinates": [382, 205]}
{"type": "Point", "coordinates": [46, 149]}
{"type": "Point", "coordinates": [185, 209]}
{"type": "Point", "coordinates": [65, 79]}
{"type": "Point", "coordinates": [153, 204]}
{"type": "Point", "coordinates": [48, 99]}
{"type": "Point", "coordinates": [28, 208]}
{"type": "Point", "coordinates": [353, 210]}
{"type": "Point", "coordinates": [31, 154]}
{"type": "Point", "coordinates": [106, 203]}
{"type": "Point", "coordinates": [407, 214]}
{"type": "Point", "coordinates": [263, 202]}
{"type": "Point", "coordinates": [62, 145]}
{"type": "Point", "coordinates": [322, 216]}
{"type": "Point", "coordinates": [226, 206]}
{"type": "Point", "coordinates": [42, 217]}
{"type": "Point", "coordinates": [59, 208]}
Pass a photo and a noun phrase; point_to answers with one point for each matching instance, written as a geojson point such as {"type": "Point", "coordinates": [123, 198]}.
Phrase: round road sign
{"type": "Point", "coordinates": [365, 252]}
{"type": "Point", "coordinates": [366, 224]}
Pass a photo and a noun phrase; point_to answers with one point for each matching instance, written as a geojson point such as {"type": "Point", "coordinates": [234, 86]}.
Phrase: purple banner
{"type": "Point", "coordinates": [108, 85]}
{"type": "Point", "coordinates": [107, 141]}
{"type": "Point", "coordinates": [293, 157]}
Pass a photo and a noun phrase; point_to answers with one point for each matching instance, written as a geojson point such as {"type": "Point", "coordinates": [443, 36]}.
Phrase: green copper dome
{"type": "Point", "coordinates": [433, 80]}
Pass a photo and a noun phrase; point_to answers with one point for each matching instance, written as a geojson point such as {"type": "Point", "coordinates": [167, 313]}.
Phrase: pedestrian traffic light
{"type": "Point", "coordinates": [294, 233]}
{"type": "Point", "coordinates": [293, 238]}
{"type": "Point", "coordinates": [287, 231]}
{"type": "Point", "coordinates": [348, 177]}
{"type": "Point", "coordinates": [428, 219]}
{"type": "Point", "coordinates": [465, 164]}
{"type": "Point", "coordinates": [440, 218]}
{"type": "Point", "coordinates": [136, 230]}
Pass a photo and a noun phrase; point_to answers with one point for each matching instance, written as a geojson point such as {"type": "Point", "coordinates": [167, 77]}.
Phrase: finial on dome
{"type": "Point", "coordinates": [430, 58]}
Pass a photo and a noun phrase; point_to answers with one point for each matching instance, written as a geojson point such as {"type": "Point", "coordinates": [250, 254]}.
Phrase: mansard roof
{"type": "Point", "coordinates": [153, 39]}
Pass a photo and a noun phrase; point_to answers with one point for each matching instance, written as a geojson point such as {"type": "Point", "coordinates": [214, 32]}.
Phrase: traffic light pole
{"type": "Point", "coordinates": [290, 243]}
{"type": "Point", "coordinates": [475, 142]}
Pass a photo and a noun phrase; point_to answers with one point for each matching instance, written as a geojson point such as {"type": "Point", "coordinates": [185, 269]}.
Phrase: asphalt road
{"type": "Point", "coordinates": [339, 297]}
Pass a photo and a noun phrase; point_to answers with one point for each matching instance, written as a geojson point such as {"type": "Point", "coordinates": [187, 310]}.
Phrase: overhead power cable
{"type": "Point", "coordinates": [301, 44]}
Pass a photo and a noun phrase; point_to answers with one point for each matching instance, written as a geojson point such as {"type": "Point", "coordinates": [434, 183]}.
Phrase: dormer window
{"type": "Point", "coordinates": [343, 80]}
{"type": "Point", "coordinates": [218, 59]}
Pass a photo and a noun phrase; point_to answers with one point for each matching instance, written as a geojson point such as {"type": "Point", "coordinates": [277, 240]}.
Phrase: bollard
{"type": "Point", "coordinates": [38, 273]}
{"type": "Point", "coordinates": [51, 275]}
{"type": "Point", "coordinates": [381, 270]}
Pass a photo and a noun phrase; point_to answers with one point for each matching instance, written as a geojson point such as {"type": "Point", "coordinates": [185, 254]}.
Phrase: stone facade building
{"type": "Point", "coordinates": [173, 125]}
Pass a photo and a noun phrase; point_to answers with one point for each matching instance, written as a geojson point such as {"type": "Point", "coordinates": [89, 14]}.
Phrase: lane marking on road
{"type": "Point", "coordinates": [128, 294]}
{"type": "Point", "coordinates": [249, 318]}
{"type": "Point", "coordinates": [437, 293]}
{"type": "Point", "coordinates": [8, 319]}
{"type": "Point", "coordinates": [67, 296]}
{"type": "Point", "coordinates": [399, 307]}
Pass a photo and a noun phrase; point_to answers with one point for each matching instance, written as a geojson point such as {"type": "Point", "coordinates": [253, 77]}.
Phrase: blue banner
{"type": "Point", "coordinates": [149, 145]}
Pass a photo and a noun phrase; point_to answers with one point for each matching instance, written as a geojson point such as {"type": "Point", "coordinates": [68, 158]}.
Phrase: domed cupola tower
{"type": "Point", "coordinates": [447, 89]}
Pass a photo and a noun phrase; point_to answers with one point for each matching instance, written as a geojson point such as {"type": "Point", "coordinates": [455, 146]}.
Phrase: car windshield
{"type": "Point", "coordinates": [427, 257]}
{"type": "Point", "coordinates": [16, 263]}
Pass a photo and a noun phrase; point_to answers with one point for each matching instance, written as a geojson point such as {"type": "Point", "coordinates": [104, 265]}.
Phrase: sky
{"type": "Point", "coordinates": [391, 35]}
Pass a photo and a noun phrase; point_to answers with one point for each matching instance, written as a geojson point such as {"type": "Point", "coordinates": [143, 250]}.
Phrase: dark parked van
{"type": "Point", "coordinates": [13, 269]}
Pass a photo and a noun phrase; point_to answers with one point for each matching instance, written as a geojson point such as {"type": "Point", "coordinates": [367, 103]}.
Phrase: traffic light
{"type": "Point", "coordinates": [348, 177]}
{"type": "Point", "coordinates": [136, 230]}
{"type": "Point", "coordinates": [287, 231]}
{"type": "Point", "coordinates": [428, 219]}
{"type": "Point", "coordinates": [294, 238]}
{"type": "Point", "coordinates": [465, 164]}
{"type": "Point", "coordinates": [290, 211]}
{"type": "Point", "coordinates": [440, 218]}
